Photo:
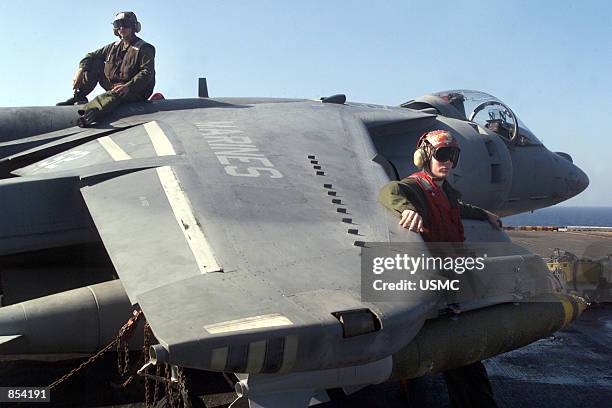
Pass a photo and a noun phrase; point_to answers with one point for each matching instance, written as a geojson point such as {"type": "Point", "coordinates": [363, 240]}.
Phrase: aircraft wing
{"type": "Point", "coordinates": [238, 233]}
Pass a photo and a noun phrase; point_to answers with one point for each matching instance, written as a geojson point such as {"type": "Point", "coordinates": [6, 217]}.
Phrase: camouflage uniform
{"type": "Point", "coordinates": [120, 62]}
{"type": "Point", "coordinates": [399, 196]}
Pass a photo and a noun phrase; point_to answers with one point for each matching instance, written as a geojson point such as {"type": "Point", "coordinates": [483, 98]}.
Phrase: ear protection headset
{"type": "Point", "coordinates": [423, 152]}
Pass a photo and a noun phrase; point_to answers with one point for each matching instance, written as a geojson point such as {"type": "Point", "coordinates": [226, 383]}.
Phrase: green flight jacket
{"type": "Point", "coordinates": [130, 63]}
{"type": "Point", "coordinates": [406, 194]}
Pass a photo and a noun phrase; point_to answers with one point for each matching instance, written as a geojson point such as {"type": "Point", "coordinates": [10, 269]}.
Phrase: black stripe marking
{"type": "Point", "coordinates": [237, 358]}
{"type": "Point", "coordinates": [273, 360]}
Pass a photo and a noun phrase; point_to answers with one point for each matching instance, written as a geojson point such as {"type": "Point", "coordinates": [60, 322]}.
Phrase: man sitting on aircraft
{"type": "Point", "coordinates": [125, 69]}
{"type": "Point", "coordinates": [426, 203]}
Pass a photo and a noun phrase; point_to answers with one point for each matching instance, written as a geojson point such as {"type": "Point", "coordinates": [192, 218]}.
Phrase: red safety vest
{"type": "Point", "coordinates": [445, 221]}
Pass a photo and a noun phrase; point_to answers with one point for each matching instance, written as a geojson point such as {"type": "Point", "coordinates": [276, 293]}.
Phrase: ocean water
{"type": "Point", "coordinates": [564, 216]}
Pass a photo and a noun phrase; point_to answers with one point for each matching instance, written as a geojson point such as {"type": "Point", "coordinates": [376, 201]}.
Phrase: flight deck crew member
{"type": "Point", "coordinates": [426, 203]}
{"type": "Point", "coordinates": [125, 69]}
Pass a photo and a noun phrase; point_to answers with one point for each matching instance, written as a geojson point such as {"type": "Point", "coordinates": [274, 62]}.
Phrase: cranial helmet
{"type": "Point", "coordinates": [126, 16]}
{"type": "Point", "coordinates": [430, 142]}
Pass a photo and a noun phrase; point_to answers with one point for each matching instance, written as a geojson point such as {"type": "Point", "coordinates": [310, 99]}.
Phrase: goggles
{"type": "Point", "coordinates": [124, 22]}
{"type": "Point", "coordinates": [444, 154]}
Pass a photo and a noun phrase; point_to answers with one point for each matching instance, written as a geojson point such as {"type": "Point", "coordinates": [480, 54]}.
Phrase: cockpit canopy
{"type": "Point", "coordinates": [478, 107]}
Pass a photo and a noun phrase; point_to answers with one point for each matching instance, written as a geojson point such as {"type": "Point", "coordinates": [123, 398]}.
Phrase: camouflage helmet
{"type": "Point", "coordinates": [128, 16]}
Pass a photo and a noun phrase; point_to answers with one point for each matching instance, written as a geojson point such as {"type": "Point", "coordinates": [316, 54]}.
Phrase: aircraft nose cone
{"type": "Point", "coordinates": [577, 181]}
{"type": "Point", "coordinates": [573, 180]}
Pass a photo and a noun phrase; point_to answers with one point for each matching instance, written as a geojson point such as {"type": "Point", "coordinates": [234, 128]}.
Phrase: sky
{"type": "Point", "coordinates": [551, 63]}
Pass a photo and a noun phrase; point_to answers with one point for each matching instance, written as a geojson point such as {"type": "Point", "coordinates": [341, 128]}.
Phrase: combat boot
{"type": "Point", "coordinates": [87, 117]}
{"type": "Point", "coordinates": [77, 99]}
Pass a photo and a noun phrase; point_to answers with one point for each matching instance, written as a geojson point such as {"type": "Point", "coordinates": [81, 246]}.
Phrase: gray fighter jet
{"type": "Point", "coordinates": [237, 226]}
